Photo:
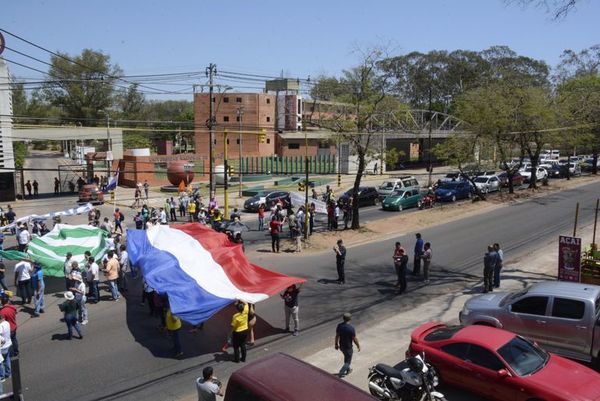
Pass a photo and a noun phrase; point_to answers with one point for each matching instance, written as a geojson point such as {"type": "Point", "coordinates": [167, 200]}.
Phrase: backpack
{"type": "Point", "coordinates": [121, 217]}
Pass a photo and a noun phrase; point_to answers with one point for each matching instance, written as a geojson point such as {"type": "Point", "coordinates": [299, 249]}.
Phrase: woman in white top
{"type": "Point", "coordinates": [5, 344]}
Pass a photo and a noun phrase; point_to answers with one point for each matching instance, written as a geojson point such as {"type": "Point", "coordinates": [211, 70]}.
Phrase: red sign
{"type": "Point", "coordinates": [569, 259]}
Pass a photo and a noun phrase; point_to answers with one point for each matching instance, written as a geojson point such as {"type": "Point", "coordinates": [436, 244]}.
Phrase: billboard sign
{"type": "Point", "coordinates": [569, 259]}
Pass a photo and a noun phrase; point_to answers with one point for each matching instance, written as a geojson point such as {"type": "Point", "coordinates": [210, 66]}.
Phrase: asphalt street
{"type": "Point", "coordinates": [124, 356]}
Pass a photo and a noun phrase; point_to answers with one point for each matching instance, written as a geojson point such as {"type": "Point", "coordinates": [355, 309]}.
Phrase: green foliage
{"type": "Point", "coordinates": [133, 140]}
{"type": "Point", "coordinates": [20, 152]}
{"type": "Point", "coordinates": [83, 89]}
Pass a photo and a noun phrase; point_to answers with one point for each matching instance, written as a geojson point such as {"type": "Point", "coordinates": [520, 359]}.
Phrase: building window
{"type": "Point", "coordinates": [323, 145]}
{"type": "Point", "coordinates": [225, 100]}
{"type": "Point", "coordinates": [268, 140]}
{"type": "Point", "coordinates": [268, 119]}
{"type": "Point", "coordinates": [293, 146]}
{"type": "Point", "coordinates": [238, 100]}
{"type": "Point", "coordinates": [215, 141]}
{"type": "Point", "coordinates": [227, 141]}
{"type": "Point", "coordinates": [268, 101]}
{"type": "Point", "coordinates": [237, 141]}
{"type": "Point", "coordinates": [226, 119]}
{"type": "Point", "coordinates": [214, 99]}
{"type": "Point", "coordinates": [237, 119]}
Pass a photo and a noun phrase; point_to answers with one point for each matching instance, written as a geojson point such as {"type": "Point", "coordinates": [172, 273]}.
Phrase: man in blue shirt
{"type": "Point", "coordinates": [37, 282]}
{"type": "Point", "coordinates": [418, 254]}
{"type": "Point", "coordinates": [345, 335]}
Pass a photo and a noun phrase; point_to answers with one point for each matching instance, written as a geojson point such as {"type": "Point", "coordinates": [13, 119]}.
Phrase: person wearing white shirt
{"type": "Point", "coordinates": [93, 277]}
{"type": "Point", "coordinates": [124, 262]}
{"type": "Point", "coordinates": [5, 344]}
{"type": "Point", "coordinates": [23, 238]}
{"type": "Point", "coordinates": [163, 216]}
{"type": "Point", "coordinates": [23, 271]}
{"type": "Point", "coordinates": [67, 270]}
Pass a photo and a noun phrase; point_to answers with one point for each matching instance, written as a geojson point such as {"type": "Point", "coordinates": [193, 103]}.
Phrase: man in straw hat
{"type": "Point", "coordinates": [70, 309]}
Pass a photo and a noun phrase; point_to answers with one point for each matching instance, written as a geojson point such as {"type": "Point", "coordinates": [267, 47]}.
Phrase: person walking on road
{"type": "Point", "coordinates": [6, 343]}
{"type": "Point", "coordinates": [490, 260]}
{"type": "Point", "coordinates": [70, 310]}
{"type": "Point", "coordinates": [208, 386]}
{"type": "Point", "coordinates": [340, 259]}
{"type": "Point", "coordinates": [290, 304]}
{"type": "Point", "coordinates": [112, 274]}
{"type": "Point", "coordinates": [23, 238]}
{"type": "Point", "coordinates": [146, 188]}
{"type": "Point", "coordinates": [426, 256]}
{"type": "Point", "coordinates": [345, 336]}
{"type": "Point", "coordinates": [275, 227]}
{"type": "Point", "coordinates": [37, 282]}
{"type": "Point", "coordinates": [418, 253]}
{"type": "Point", "coordinates": [400, 263]}
{"type": "Point", "coordinates": [118, 217]}
{"type": "Point", "coordinates": [23, 271]}
{"type": "Point", "coordinates": [499, 264]}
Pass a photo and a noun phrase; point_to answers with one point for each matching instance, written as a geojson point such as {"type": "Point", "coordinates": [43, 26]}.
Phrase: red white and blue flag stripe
{"type": "Point", "coordinates": [200, 270]}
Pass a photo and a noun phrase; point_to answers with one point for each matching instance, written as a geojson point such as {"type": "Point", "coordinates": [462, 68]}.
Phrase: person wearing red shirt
{"type": "Point", "coordinates": [9, 312]}
{"type": "Point", "coordinates": [275, 226]}
{"type": "Point", "coordinates": [261, 217]}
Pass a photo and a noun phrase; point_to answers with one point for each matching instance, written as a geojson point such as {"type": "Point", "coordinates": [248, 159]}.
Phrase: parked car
{"type": "Point", "coordinates": [557, 171]}
{"type": "Point", "coordinates": [280, 377]}
{"type": "Point", "coordinates": [517, 179]}
{"type": "Point", "coordinates": [588, 164]}
{"type": "Point", "coordinates": [561, 316]}
{"type": "Point", "coordinates": [574, 169]}
{"type": "Point", "coordinates": [541, 173]}
{"type": "Point", "coordinates": [92, 194]}
{"type": "Point", "coordinates": [487, 183]}
{"type": "Point", "coordinates": [401, 199]}
{"type": "Point", "coordinates": [266, 197]}
{"type": "Point", "coordinates": [499, 365]}
{"type": "Point", "coordinates": [396, 183]}
{"type": "Point", "coordinates": [367, 196]}
{"type": "Point", "coordinates": [451, 191]}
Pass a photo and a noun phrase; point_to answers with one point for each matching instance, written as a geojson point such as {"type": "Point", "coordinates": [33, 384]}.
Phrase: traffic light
{"type": "Point", "coordinates": [301, 186]}
{"type": "Point", "coordinates": [262, 137]}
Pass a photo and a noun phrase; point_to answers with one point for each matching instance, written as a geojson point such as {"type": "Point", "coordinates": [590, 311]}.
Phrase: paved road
{"type": "Point", "coordinates": [123, 356]}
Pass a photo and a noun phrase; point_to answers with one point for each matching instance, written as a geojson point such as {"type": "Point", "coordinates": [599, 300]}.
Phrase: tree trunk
{"type": "Point", "coordinates": [357, 179]}
{"type": "Point", "coordinates": [595, 162]}
{"type": "Point", "coordinates": [511, 186]}
{"type": "Point", "coordinates": [534, 164]}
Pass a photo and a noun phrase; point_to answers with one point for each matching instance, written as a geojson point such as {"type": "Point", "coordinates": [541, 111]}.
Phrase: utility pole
{"type": "Point", "coordinates": [429, 166]}
{"type": "Point", "coordinates": [225, 181]}
{"type": "Point", "coordinates": [108, 144]}
{"type": "Point", "coordinates": [240, 115]}
{"type": "Point", "coordinates": [306, 218]}
{"type": "Point", "coordinates": [211, 71]}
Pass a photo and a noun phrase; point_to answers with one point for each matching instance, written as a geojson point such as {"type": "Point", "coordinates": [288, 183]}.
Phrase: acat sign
{"type": "Point", "coordinates": [570, 241]}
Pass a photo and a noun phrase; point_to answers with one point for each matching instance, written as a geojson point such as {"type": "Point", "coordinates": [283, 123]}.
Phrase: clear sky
{"type": "Point", "coordinates": [300, 38]}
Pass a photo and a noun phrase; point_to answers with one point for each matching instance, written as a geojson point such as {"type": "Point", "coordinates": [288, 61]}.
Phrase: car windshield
{"type": "Point", "coordinates": [481, 179]}
{"type": "Point", "coordinates": [387, 185]}
{"type": "Point", "coordinates": [451, 175]}
{"type": "Point", "coordinates": [397, 193]}
{"type": "Point", "coordinates": [523, 357]}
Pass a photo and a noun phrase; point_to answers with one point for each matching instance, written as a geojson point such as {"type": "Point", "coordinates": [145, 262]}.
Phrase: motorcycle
{"type": "Point", "coordinates": [427, 201]}
{"type": "Point", "coordinates": [411, 380]}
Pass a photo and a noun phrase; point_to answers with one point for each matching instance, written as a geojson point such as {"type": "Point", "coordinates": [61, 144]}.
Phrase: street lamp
{"type": "Point", "coordinates": [240, 115]}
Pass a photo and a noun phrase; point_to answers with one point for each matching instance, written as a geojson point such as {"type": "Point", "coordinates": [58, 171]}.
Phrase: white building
{"type": "Point", "coordinates": [7, 159]}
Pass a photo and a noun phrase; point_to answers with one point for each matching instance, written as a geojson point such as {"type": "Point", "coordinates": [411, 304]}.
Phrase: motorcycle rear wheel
{"type": "Point", "coordinates": [380, 381]}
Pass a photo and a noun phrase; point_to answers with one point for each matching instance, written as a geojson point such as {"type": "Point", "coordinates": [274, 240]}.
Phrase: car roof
{"type": "Point", "coordinates": [485, 336]}
{"type": "Point", "coordinates": [283, 377]}
{"type": "Point", "coordinates": [566, 289]}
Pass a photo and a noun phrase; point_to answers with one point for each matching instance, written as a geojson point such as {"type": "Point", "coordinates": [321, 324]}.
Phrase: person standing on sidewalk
{"type": "Point", "coordinates": [427, 254]}
{"type": "Point", "coordinates": [172, 209]}
{"type": "Point", "coordinates": [345, 336]}
{"type": "Point", "coordinates": [290, 304]}
{"type": "Point", "coordinates": [340, 259]}
{"type": "Point", "coordinates": [499, 263]}
{"type": "Point", "coordinates": [489, 264]}
{"type": "Point", "coordinates": [418, 253]}
{"type": "Point", "coordinates": [36, 186]}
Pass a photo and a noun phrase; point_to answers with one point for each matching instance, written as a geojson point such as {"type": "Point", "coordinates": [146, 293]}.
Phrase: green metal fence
{"type": "Point", "coordinates": [287, 165]}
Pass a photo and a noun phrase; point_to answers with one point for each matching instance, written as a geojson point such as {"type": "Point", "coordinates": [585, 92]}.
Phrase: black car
{"type": "Point", "coordinates": [367, 196]}
{"type": "Point", "coordinates": [557, 171]}
{"type": "Point", "coordinates": [266, 197]}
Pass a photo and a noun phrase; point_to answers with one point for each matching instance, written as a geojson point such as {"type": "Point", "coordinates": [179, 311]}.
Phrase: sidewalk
{"type": "Point", "coordinates": [387, 341]}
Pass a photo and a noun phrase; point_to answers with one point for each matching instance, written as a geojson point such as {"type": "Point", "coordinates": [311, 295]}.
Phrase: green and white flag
{"type": "Point", "coordinates": [50, 250]}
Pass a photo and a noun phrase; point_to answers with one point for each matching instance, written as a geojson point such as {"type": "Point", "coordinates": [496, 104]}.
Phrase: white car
{"type": "Point", "coordinates": [487, 183]}
{"type": "Point", "coordinates": [540, 174]}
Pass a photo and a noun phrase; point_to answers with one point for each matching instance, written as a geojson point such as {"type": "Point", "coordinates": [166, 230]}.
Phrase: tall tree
{"type": "Point", "coordinates": [585, 62]}
{"type": "Point", "coordinates": [579, 103]}
{"type": "Point", "coordinates": [558, 8]}
{"type": "Point", "coordinates": [83, 85]}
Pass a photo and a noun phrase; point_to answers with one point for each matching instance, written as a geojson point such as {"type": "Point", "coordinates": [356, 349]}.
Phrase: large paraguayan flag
{"type": "Point", "coordinates": [200, 270]}
{"type": "Point", "coordinates": [112, 183]}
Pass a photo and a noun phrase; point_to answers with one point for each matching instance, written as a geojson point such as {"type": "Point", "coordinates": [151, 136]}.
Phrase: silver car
{"type": "Point", "coordinates": [562, 317]}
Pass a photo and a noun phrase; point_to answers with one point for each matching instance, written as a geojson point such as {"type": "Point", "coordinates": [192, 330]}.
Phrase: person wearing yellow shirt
{"type": "Point", "coordinates": [192, 210]}
{"type": "Point", "coordinates": [173, 327]}
{"type": "Point", "coordinates": [239, 328]}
